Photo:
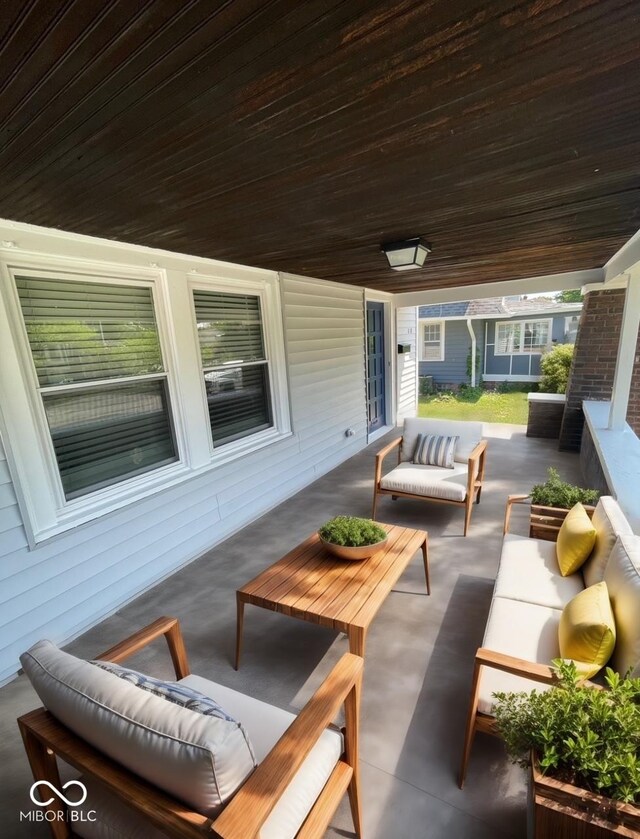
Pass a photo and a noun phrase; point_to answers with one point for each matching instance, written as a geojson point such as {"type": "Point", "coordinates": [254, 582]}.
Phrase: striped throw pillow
{"type": "Point", "coordinates": [434, 450]}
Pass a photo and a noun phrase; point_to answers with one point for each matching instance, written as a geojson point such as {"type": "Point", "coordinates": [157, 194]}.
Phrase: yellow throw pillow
{"type": "Point", "coordinates": [576, 539]}
{"type": "Point", "coordinates": [587, 632]}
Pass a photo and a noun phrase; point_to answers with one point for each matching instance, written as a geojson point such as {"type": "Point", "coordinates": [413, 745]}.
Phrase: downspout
{"type": "Point", "coordinates": [486, 340]}
{"type": "Point", "coordinates": [473, 352]}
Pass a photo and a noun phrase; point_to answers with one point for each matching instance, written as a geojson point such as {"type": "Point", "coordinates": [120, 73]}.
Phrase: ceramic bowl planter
{"type": "Point", "coordinates": [354, 553]}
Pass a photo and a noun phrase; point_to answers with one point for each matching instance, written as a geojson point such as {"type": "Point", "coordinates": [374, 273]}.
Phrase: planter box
{"type": "Point", "coordinates": [545, 522]}
{"type": "Point", "coordinates": [562, 811]}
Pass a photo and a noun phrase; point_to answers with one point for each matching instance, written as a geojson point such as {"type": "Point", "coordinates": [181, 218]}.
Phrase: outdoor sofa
{"type": "Point", "coordinates": [521, 635]}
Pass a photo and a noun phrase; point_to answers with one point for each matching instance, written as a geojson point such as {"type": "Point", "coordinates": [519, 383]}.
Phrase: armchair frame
{"type": "Point", "coordinates": [475, 479]}
{"type": "Point", "coordinates": [45, 739]}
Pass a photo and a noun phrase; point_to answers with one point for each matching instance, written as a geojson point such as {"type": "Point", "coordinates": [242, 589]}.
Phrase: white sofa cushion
{"type": "Point", "coordinates": [430, 481]}
{"type": "Point", "coordinates": [622, 576]}
{"type": "Point", "coordinates": [524, 630]}
{"type": "Point", "coordinates": [470, 434]}
{"type": "Point", "coordinates": [609, 522]}
{"type": "Point", "coordinates": [265, 725]}
{"type": "Point", "coordinates": [201, 760]}
{"type": "Point", "coordinates": [529, 572]}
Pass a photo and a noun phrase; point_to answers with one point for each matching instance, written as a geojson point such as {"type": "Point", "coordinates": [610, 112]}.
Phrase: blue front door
{"type": "Point", "coordinates": [375, 366]}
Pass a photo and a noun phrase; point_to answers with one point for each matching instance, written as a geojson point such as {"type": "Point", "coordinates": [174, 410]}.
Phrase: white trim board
{"type": "Point", "coordinates": [501, 288]}
{"type": "Point", "coordinates": [509, 377]}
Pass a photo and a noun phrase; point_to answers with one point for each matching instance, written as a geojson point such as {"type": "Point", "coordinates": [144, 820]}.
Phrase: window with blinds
{"type": "Point", "coordinates": [97, 356]}
{"type": "Point", "coordinates": [234, 363]}
{"type": "Point", "coordinates": [531, 336]}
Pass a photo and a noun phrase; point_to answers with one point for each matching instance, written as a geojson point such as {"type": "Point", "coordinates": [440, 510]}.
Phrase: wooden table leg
{"type": "Point", "coordinates": [239, 625]}
{"type": "Point", "coordinates": [425, 557]}
{"type": "Point", "coordinates": [357, 638]}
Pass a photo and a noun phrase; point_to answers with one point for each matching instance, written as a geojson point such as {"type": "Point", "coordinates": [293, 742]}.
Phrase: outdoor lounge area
{"type": "Point", "coordinates": [419, 656]}
{"type": "Point", "coordinates": [319, 419]}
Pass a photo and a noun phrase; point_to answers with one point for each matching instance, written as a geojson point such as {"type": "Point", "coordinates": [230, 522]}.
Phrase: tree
{"type": "Point", "coordinates": [569, 295]}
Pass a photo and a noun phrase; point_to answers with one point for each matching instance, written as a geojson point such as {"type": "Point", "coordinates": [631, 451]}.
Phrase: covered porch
{"type": "Point", "coordinates": [419, 654]}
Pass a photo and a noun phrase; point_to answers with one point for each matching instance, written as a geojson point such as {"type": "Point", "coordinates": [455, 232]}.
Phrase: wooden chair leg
{"type": "Point", "coordinates": [478, 495]}
{"type": "Point", "coordinates": [375, 502]}
{"type": "Point", "coordinates": [45, 768]}
{"type": "Point", "coordinates": [352, 721]}
{"type": "Point", "coordinates": [467, 513]}
{"type": "Point", "coordinates": [471, 724]}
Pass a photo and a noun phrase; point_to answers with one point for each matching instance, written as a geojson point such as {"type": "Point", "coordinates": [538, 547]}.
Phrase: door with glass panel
{"type": "Point", "coordinates": [376, 379]}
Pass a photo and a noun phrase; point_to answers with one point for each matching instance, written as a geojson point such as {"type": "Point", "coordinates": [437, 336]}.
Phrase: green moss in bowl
{"type": "Point", "coordinates": [352, 532]}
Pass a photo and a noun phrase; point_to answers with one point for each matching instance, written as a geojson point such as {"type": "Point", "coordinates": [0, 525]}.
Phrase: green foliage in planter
{"type": "Point", "coordinates": [555, 366]}
{"type": "Point", "coordinates": [581, 735]}
{"type": "Point", "coordinates": [352, 531]}
{"type": "Point", "coordinates": [555, 492]}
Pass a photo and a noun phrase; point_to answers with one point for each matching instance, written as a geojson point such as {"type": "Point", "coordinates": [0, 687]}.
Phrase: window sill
{"type": "Point", "coordinates": [114, 499]}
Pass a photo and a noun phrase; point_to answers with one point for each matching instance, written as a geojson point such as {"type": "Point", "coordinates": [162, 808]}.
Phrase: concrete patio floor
{"type": "Point", "coordinates": [418, 661]}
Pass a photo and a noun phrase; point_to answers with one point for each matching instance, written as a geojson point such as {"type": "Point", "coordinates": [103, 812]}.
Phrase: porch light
{"type": "Point", "coordinates": [406, 255]}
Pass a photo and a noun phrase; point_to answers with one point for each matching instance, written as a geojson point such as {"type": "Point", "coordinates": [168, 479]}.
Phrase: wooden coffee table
{"type": "Point", "coordinates": [312, 585]}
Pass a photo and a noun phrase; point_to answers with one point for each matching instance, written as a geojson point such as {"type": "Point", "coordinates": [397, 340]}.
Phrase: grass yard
{"type": "Point", "coordinates": [482, 406]}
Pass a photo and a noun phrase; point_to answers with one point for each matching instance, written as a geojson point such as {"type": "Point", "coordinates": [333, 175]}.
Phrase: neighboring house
{"type": "Point", "coordinates": [510, 335]}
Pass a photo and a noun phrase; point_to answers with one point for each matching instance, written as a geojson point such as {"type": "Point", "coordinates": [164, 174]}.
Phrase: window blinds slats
{"type": "Point", "coordinates": [80, 331]}
{"type": "Point", "coordinates": [229, 327]}
{"type": "Point", "coordinates": [236, 375]}
{"type": "Point", "coordinates": [103, 436]}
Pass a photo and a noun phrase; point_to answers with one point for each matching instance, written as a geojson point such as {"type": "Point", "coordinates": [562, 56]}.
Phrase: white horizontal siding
{"type": "Point", "coordinates": [69, 583]}
{"type": "Point", "coordinates": [407, 374]}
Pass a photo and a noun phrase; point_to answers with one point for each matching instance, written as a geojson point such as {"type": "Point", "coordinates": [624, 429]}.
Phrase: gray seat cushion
{"type": "Point", "coordinates": [622, 576]}
{"type": "Point", "coordinates": [201, 760]}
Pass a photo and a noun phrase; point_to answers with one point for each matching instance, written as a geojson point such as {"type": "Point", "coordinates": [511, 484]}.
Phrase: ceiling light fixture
{"type": "Point", "coordinates": [407, 255]}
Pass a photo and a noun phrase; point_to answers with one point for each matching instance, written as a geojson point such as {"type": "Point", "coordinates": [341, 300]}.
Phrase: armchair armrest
{"type": "Point", "coordinates": [511, 500]}
{"type": "Point", "coordinates": [516, 666]}
{"type": "Point", "coordinates": [170, 628]}
{"type": "Point", "coordinates": [380, 456]}
{"type": "Point", "coordinates": [475, 467]}
{"type": "Point", "coordinates": [250, 807]}
{"type": "Point", "coordinates": [479, 449]}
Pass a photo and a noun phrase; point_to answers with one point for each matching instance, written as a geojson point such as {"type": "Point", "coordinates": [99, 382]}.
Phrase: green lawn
{"type": "Point", "coordinates": [487, 406]}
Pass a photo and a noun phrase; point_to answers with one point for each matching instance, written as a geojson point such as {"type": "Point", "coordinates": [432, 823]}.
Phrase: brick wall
{"type": "Point", "coordinates": [633, 411]}
{"type": "Point", "coordinates": [594, 361]}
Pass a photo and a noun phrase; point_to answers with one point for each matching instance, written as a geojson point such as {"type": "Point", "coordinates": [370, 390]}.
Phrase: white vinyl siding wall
{"type": "Point", "coordinates": [407, 377]}
{"type": "Point", "coordinates": [69, 583]}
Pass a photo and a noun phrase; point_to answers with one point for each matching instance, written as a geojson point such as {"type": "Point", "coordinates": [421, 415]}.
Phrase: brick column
{"type": "Point", "coordinates": [594, 361]}
{"type": "Point", "coordinates": [633, 411]}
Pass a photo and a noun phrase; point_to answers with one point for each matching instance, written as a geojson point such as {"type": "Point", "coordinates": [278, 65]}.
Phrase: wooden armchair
{"type": "Point", "coordinates": [46, 739]}
{"type": "Point", "coordinates": [461, 486]}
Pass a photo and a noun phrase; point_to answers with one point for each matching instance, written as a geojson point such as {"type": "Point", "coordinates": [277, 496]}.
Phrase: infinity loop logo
{"type": "Point", "coordinates": [34, 798]}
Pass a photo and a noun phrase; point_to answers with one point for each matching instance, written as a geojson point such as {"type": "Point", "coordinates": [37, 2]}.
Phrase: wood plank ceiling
{"type": "Point", "coordinates": [298, 136]}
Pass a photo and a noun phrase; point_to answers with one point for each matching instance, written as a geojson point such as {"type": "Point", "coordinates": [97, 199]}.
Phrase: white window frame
{"type": "Point", "coordinates": [519, 348]}
{"type": "Point", "coordinates": [424, 322]}
{"type": "Point", "coordinates": [273, 336]}
{"type": "Point", "coordinates": [42, 497]}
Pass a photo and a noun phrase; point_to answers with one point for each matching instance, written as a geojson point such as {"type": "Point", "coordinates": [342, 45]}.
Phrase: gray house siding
{"type": "Point", "coordinates": [457, 347]}
{"type": "Point", "coordinates": [519, 364]}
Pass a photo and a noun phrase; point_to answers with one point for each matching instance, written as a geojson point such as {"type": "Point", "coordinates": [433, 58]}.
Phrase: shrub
{"type": "Point", "coordinates": [516, 387]}
{"type": "Point", "coordinates": [581, 735]}
{"type": "Point", "coordinates": [466, 393]}
{"type": "Point", "coordinates": [555, 366]}
{"type": "Point", "coordinates": [352, 531]}
{"type": "Point", "coordinates": [555, 492]}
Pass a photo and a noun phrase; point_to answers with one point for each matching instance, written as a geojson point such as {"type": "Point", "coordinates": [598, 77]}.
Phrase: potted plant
{"type": "Point", "coordinates": [552, 500]}
{"type": "Point", "coordinates": [582, 746]}
{"type": "Point", "coordinates": [349, 537]}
